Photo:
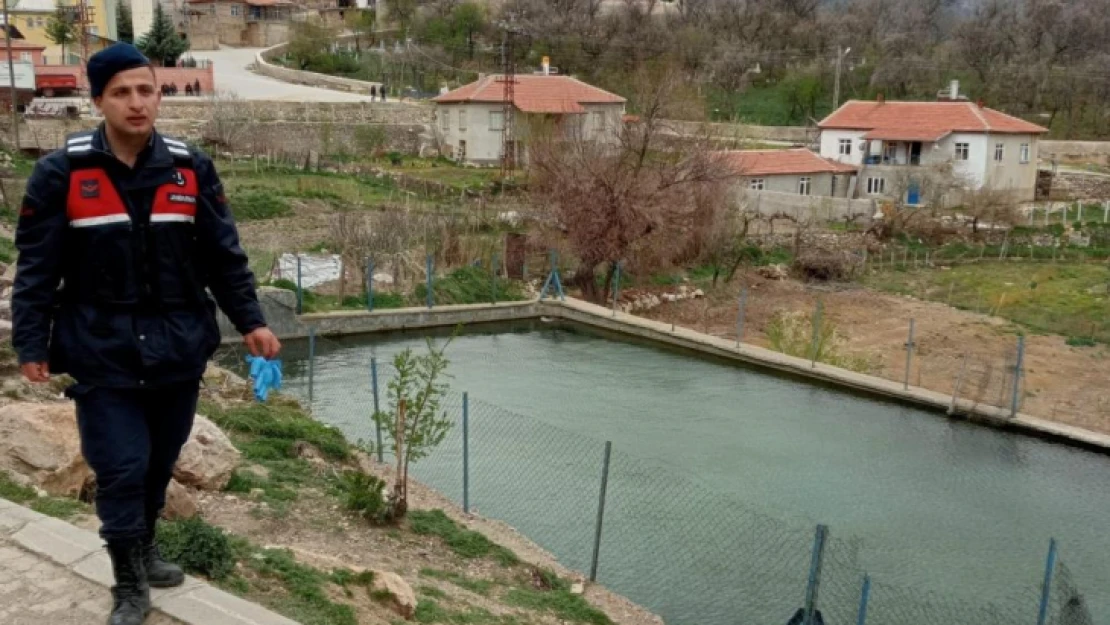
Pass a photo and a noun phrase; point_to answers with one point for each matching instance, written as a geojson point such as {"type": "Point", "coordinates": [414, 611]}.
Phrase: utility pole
{"type": "Point", "coordinates": [508, 78]}
{"type": "Point", "coordinates": [840, 54]}
{"type": "Point", "coordinates": [11, 74]}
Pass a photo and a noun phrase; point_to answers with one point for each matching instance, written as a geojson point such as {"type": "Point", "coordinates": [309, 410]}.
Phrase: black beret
{"type": "Point", "coordinates": [116, 58]}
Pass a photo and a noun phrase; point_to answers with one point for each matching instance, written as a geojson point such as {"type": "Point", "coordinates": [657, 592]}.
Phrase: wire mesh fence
{"type": "Point", "coordinates": [661, 538]}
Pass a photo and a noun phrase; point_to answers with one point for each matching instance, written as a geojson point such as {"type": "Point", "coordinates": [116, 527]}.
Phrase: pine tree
{"type": "Point", "coordinates": [162, 44]}
{"type": "Point", "coordinates": [124, 28]}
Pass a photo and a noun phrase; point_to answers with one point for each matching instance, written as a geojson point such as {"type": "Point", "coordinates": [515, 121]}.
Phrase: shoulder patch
{"type": "Point", "coordinates": [79, 143]}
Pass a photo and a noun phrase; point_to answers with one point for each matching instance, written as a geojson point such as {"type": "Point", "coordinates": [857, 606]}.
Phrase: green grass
{"type": "Point", "coordinates": [58, 507]}
{"type": "Point", "coordinates": [477, 586]}
{"type": "Point", "coordinates": [314, 302]}
{"type": "Point", "coordinates": [465, 543]}
{"type": "Point", "coordinates": [7, 250]}
{"type": "Point", "coordinates": [470, 285]}
{"type": "Point", "coordinates": [278, 425]}
{"type": "Point", "coordinates": [431, 592]}
{"type": "Point", "coordinates": [306, 601]}
{"type": "Point", "coordinates": [428, 610]}
{"type": "Point", "coordinates": [559, 601]}
{"type": "Point", "coordinates": [1065, 299]}
{"type": "Point", "coordinates": [255, 205]}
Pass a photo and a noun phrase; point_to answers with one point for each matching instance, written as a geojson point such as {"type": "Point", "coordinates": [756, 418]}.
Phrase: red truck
{"type": "Point", "coordinates": [51, 85]}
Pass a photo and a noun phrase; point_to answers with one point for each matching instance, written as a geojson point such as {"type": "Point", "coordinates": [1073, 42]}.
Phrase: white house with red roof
{"type": "Point", "coordinates": [470, 120]}
{"type": "Point", "coordinates": [800, 171]}
{"type": "Point", "coordinates": [985, 149]}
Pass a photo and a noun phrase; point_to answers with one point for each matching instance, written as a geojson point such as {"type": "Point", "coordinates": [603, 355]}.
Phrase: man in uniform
{"type": "Point", "coordinates": [135, 228]}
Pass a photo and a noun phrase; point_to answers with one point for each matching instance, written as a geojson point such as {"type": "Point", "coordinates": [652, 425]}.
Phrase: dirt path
{"type": "Point", "coordinates": [1062, 383]}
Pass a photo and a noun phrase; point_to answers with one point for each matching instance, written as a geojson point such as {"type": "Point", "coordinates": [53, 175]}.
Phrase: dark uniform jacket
{"type": "Point", "coordinates": [136, 252]}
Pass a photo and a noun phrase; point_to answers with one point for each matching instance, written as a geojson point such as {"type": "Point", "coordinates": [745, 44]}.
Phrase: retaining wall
{"type": "Point", "coordinates": [265, 67]}
{"type": "Point", "coordinates": [808, 208]}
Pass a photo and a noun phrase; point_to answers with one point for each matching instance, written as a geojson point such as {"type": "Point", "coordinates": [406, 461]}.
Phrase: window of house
{"type": "Point", "coordinates": [496, 120]}
{"type": "Point", "coordinates": [598, 122]}
{"type": "Point", "coordinates": [94, 30]}
{"type": "Point", "coordinates": [462, 119]}
{"type": "Point", "coordinates": [235, 10]}
{"type": "Point", "coordinates": [845, 147]}
{"type": "Point", "coordinates": [963, 151]}
{"type": "Point", "coordinates": [876, 186]}
{"type": "Point", "coordinates": [39, 22]}
{"type": "Point", "coordinates": [999, 152]}
{"type": "Point", "coordinates": [445, 120]}
{"type": "Point", "coordinates": [755, 184]}
{"type": "Point", "coordinates": [24, 56]}
{"type": "Point", "coordinates": [30, 22]}
{"type": "Point", "coordinates": [1025, 153]}
{"type": "Point", "coordinates": [804, 185]}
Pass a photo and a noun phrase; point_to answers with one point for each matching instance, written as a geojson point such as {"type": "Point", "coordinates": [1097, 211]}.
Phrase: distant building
{"type": "Point", "coordinates": [979, 147]}
{"type": "Point", "coordinates": [471, 119]}
{"type": "Point", "coordinates": [250, 23]}
{"type": "Point", "coordinates": [799, 171]}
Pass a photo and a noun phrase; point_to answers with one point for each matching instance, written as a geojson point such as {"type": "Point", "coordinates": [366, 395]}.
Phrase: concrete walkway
{"type": "Point", "coordinates": [231, 75]}
{"type": "Point", "coordinates": [52, 572]}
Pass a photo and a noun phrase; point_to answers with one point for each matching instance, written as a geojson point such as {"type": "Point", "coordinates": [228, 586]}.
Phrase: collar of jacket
{"type": "Point", "coordinates": [159, 158]}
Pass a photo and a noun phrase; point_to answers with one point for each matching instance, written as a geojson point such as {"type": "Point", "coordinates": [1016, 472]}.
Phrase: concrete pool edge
{"type": "Point", "coordinates": [366, 322]}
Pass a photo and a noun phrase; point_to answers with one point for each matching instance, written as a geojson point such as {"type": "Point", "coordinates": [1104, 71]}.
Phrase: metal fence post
{"type": "Point", "coordinates": [600, 510]}
{"type": "Point", "coordinates": [311, 364]}
{"type": "Point", "coordinates": [377, 409]}
{"type": "Point", "coordinates": [815, 573]}
{"type": "Point", "coordinates": [1106, 211]}
{"type": "Point", "coordinates": [816, 333]}
{"type": "Point", "coordinates": [616, 288]}
{"type": "Point", "coordinates": [429, 268]}
{"type": "Point", "coordinates": [909, 357]}
{"type": "Point", "coordinates": [1080, 219]}
{"type": "Point", "coordinates": [300, 290]}
{"type": "Point", "coordinates": [1046, 589]}
{"type": "Point", "coordinates": [493, 279]}
{"type": "Point", "coordinates": [466, 452]}
{"type": "Point", "coordinates": [864, 597]}
{"type": "Point", "coordinates": [740, 316]}
{"type": "Point", "coordinates": [370, 284]}
{"type": "Point", "coordinates": [1017, 376]}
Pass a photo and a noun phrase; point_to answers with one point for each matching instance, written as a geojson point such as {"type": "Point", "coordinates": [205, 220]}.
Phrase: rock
{"type": "Point", "coordinates": [8, 277]}
{"type": "Point", "coordinates": [383, 278]}
{"type": "Point", "coordinates": [39, 443]}
{"type": "Point", "coordinates": [181, 502]}
{"type": "Point", "coordinates": [401, 597]}
{"type": "Point", "coordinates": [773, 272]}
{"type": "Point", "coordinates": [257, 470]}
{"type": "Point", "coordinates": [257, 493]}
{"type": "Point", "coordinates": [5, 327]}
{"type": "Point", "coordinates": [577, 588]}
{"type": "Point", "coordinates": [207, 459]}
{"type": "Point", "coordinates": [220, 377]}
{"type": "Point", "coordinates": [698, 293]}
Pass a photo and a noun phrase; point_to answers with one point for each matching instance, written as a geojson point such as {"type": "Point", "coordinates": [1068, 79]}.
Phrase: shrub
{"type": "Point", "coordinates": [792, 333]}
{"type": "Point", "coordinates": [469, 285]}
{"type": "Point", "coordinates": [362, 494]}
{"type": "Point", "coordinates": [283, 425]}
{"type": "Point", "coordinates": [197, 547]}
{"type": "Point", "coordinates": [252, 205]}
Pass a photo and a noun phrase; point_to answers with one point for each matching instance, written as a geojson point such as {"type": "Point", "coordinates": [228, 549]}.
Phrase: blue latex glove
{"type": "Point", "coordinates": [266, 375]}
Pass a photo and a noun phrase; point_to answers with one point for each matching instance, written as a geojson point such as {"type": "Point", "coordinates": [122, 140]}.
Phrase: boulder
{"type": "Point", "coordinates": [773, 272]}
{"type": "Point", "coordinates": [401, 597]}
{"type": "Point", "coordinates": [222, 378]}
{"type": "Point", "coordinates": [40, 447]}
{"type": "Point", "coordinates": [181, 502]}
{"type": "Point", "coordinates": [208, 459]}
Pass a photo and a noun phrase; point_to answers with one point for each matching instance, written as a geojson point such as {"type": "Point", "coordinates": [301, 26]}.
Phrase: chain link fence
{"type": "Point", "coordinates": [664, 539]}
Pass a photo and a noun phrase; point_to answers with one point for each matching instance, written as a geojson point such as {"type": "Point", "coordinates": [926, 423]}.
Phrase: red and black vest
{"type": "Point", "coordinates": [124, 252]}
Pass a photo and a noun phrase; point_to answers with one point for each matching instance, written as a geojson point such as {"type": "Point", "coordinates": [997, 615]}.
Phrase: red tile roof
{"type": "Point", "coordinates": [924, 119]}
{"type": "Point", "coordinates": [783, 162]}
{"type": "Point", "coordinates": [533, 94]}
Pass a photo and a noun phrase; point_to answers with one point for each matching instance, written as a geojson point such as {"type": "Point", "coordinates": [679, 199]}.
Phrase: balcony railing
{"type": "Point", "coordinates": [876, 159]}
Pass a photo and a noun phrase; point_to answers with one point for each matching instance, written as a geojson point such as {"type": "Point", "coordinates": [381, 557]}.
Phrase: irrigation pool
{"type": "Point", "coordinates": [720, 473]}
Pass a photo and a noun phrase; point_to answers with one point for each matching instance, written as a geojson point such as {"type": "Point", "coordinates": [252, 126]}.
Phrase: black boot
{"type": "Point", "coordinates": [131, 594]}
{"type": "Point", "coordinates": [159, 573]}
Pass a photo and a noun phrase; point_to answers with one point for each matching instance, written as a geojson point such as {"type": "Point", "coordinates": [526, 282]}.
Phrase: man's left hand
{"type": "Point", "coordinates": [262, 342]}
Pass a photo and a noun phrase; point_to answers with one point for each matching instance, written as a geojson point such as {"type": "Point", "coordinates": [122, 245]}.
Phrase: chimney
{"type": "Point", "coordinates": [880, 98]}
{"type": "Point", "coordinates": [954, 90]}
{"type": "Point", "coordinates": [546, 66]}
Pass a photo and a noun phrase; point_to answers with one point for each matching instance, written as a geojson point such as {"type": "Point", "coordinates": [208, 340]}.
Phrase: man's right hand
{"type": "Point", "coordinates": [37, 372]}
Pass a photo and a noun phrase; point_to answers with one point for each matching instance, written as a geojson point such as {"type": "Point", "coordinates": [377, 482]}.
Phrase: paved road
{"type": "Point", "coordinates": [232, 75]}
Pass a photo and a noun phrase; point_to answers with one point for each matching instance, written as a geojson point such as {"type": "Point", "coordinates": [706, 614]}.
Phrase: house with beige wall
{"type": "Point", "coordinates": [470, 121]}
{"type": "Point", "coordinates": [249, 23]}
{"type": "Point", "coordinates": [902, 147]}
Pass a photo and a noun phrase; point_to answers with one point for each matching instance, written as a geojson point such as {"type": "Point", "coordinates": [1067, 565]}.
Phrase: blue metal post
{"type": "Point", "coordinates": [616, 288]}
{"type": "Point", "coordinates": [493, 279]}
{"type": "Point", "coordinates": [1046, 590]}
{"type": "Point", "coordinates": [311, 364]}
{"type": "Point", "coordinates": [466, 452]}
{"type": "Point", "coordinates": [1015, 398]}
{"type": "Point", "coordinates": [370, 284]}
{"type": "Point", "coordinates": [816, 332]}
{"type": "Point", "coordinates": [815, 573]}
{"type": "Point", "coordinates": [600, 510]}
{"type": "Point", "coordinates": [374, 388]}
{"type": "Point", "coordinates": [864, 597]}
{"type": "Point", "coordinates": [300, 291]}
{"type": "Point", "coordinates": [553, 279]}
{"type": "Point", "coordinates": [740, 316]}
{"type": "Point", "coordinates": [430, 299]}
{"type": "Point", "coordinates": [909, 357]}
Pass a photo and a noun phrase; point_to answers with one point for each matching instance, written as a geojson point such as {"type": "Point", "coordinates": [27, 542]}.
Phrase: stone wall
{"type": "Point", "coordinates": [265, 67]}
{"type": "Point", "coordinates": [1076, 151]}
{"type": "Point", "coordinates": [335, 112]}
